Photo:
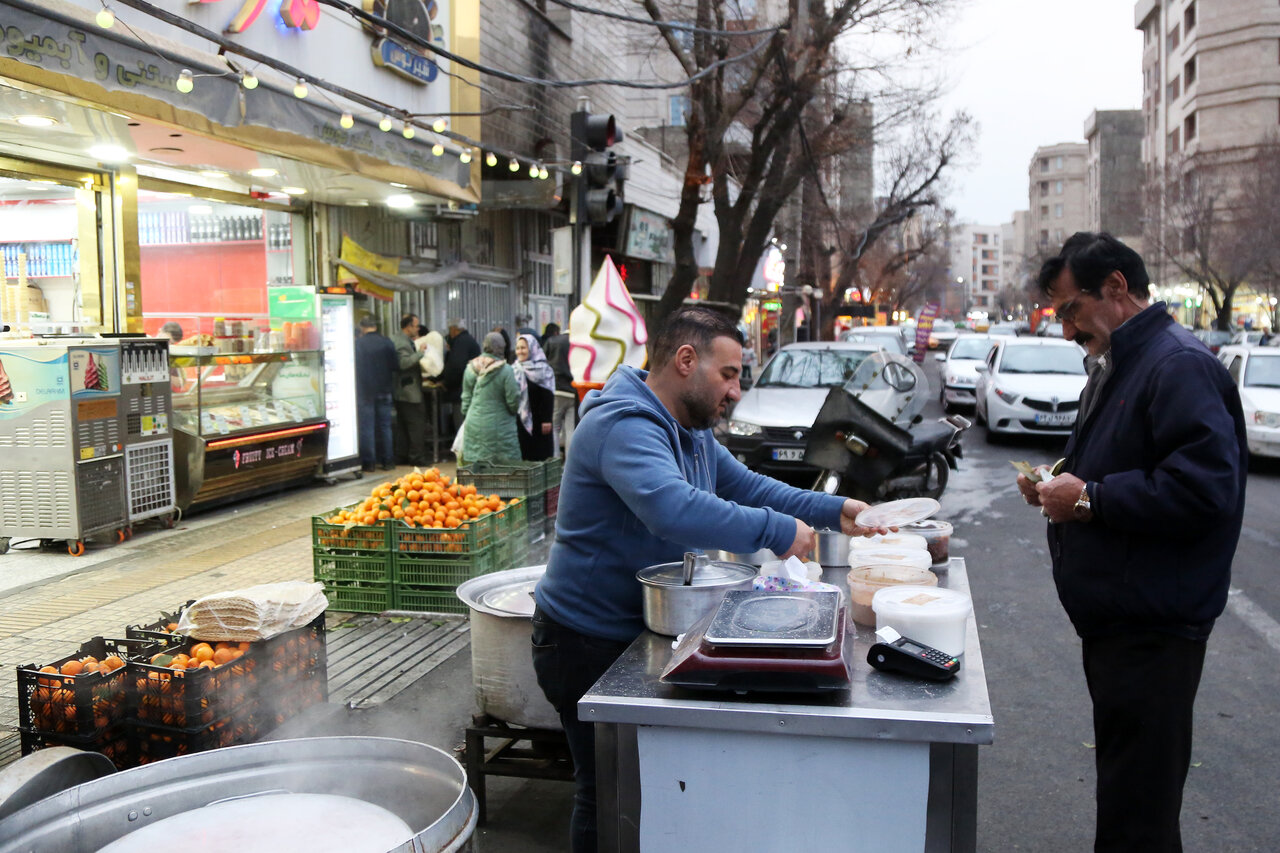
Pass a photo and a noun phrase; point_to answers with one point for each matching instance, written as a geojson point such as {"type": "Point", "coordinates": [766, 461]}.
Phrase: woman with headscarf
{"type": "Point", "coordinates": [537, 400]}
{"type": "Point", "coordinates": [490, 401]}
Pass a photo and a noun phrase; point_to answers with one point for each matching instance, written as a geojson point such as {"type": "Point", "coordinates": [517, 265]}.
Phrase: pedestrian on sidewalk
{"type": "Point", "coordinates": [411, 413]}
{"type": "Point", "coordinates": [537, 400]}
{"type": "Point", "coordinates": [462, 348]}
{"type": "Point", "coordinates": [490, 402]}
{"type": "Point", "coordinates": [565, 416]}
{"type": "Point", "coordinates": [1143, 524]}
{"type": "Point", "coordinates": [376, 369]}
{"type": "Point", "coordinates": [647, 481]}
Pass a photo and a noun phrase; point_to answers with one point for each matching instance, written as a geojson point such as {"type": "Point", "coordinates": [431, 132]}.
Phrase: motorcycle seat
{"type": "Point", "coordinates": [931, 436]}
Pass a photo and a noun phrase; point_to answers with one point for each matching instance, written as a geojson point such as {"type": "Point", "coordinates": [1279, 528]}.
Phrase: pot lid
{"type": "Point", "coordinates": [268, 823]}
{"type": "Point", "coordinates": [895, 513]}
{"type": "Point", "coordinates": [506, 589]}
{"type": "Point", "coordinates": [515, 599]}
{"type": "Point", "coordinates": [711, 573]}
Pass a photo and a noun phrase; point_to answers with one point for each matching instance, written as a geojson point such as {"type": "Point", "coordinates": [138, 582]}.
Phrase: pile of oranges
{"type": "Point", "coordinates": [422, 499]}
{"type": "Point", "coordinates": [201, 655]}
{"type": "Point", "coordinates": [86, 664]}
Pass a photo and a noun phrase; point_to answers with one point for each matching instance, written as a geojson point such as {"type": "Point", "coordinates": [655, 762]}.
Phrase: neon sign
{"type": "Point", "coordinates": [297, 14]}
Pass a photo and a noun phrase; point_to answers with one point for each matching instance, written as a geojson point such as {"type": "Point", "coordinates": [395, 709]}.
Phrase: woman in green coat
{"type": "Point", "coordinates": [490, 402]}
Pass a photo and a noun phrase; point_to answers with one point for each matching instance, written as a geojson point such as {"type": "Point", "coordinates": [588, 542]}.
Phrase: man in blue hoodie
{"type": "Point", "coordinates": [1144, 525]}
{"type": "Point", "coordinates": [646, 482]}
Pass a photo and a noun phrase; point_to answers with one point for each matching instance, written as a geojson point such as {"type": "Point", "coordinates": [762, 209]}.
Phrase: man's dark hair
{"type": "Point", "coordinates": [1092, 257]}
{"type": "Point", "coordinates": [694, 325]}
{"type": "Point", "coordinates": [368, 321]}
{"type": "Point", "coordinates": [406, 319]}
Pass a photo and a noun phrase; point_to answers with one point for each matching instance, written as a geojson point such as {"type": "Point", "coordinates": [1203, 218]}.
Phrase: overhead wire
{"type": "Point", "coordinates": [665, 25]}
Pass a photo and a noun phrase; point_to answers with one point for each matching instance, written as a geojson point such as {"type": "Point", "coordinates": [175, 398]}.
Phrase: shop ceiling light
{"type": "Point", "coordinates": [400, 202]}
{"type": "Point", "coordinates": [576, 168]}
{"type": "Point", "coordinates": [249, 80]}
{"type": "Point", "coordinates": [300, 89]}
{"type": "Point", "coordinates": [265, 172]}
{"type": "Point", "coordinates": [437, 149]}
{"type": "Point", "coordinates": [295, 190]}
{"type": "Point", "coordinates": [105, 17]}
{"type": "Point", "coordinates": [533, 170]}
{"type": "Point", "coordinates": [109, 153]}
{"type": "Point", "coordinates": [384, 124]}
{"type": "Point", "coordinates": [439, 125]}
{"type": "Point", "coordinates": [35, 121]}
{"type": "Point", "coordinates": [408, 131]}
{"type": "Point", "coordinates": [212, 173]}
{"type": "Point", "coordinates": [465, 156]}
{"type": "Point", "coordinates": [491, 159]}
{"type": "Point", "coordinates": [543, 173]}
{"type": "Point", "coordinates": [399, 185]}
{"type": "Point", "coordinates": [514, 165]}
{"type": "Point", "coordinates": [347, 121]}
{"type": "Point", "coordinates": [186, 81]}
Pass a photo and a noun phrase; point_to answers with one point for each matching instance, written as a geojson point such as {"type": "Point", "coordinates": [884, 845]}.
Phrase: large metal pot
{"type": "Point", "coordinates": [418, 784]}
{"type": "Point", "coordinates": [501, 662]}
{"type": "Point", "coordinates": [755, 558]}
{"type": "Point", "coordinates": [672, 606]}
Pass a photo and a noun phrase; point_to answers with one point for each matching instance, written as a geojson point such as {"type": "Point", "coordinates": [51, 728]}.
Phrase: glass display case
{"type": "Point", "coordinates": [246, 422]}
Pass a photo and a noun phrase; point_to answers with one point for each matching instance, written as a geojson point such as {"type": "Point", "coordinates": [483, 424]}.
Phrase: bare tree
{"type": "Point", "coordinates": [761, 124]}
{"type": "Point", "coordinates": [912, 268]}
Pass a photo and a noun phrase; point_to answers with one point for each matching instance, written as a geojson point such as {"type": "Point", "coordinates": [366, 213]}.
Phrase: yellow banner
{"type": "Point", "coordinates": [362, 257]}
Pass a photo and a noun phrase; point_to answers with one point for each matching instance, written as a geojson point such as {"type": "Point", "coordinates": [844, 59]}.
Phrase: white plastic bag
{"type": "Point", "coordinates": [253, 613]}
{"type": "Point", "coordinates": [457, 440]}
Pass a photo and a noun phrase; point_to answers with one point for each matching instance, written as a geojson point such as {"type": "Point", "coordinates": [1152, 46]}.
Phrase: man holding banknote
{"type": "Point", "coordinates": [1144, 515]}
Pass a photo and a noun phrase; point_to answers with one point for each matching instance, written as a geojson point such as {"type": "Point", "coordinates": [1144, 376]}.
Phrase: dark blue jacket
{"type": "Point", "coordinates": [1165, 457]}
{"type": "Point", "coordinates": [376, 365]}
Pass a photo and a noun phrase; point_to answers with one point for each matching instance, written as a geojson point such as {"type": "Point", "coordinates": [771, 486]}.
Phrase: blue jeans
{"type": "Point", "coordinates": [567, 665]}
{"type": "Point", "coordinates": [374, 417]}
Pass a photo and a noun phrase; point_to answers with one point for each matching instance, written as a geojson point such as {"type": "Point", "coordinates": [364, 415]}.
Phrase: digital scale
{"type": "Point", "coordinates": [780, 642]}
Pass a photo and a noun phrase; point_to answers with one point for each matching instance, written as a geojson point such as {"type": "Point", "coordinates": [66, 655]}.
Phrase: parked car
{"type": "Point", "coordinates": [1010, 329]}
{"type": "Point", "coordinates": [769, 426]}
{"type": "Point", "coordinates": [1049, 330]}
{"type": "Point", "coordinates": [1247, 338]}
{"type": "Point", "coordinates": [959, 371]}
{"type": "Point", "coordinates": [1256, 372]}
{"type": "Point", "coordinates": [943, 334]}
{"type": "Point", "coordinates": [1030, 385]}
{"type": "Point", "coordinates": [889, 337]}
{"type": "Point", "coordinates": [1214, 339]}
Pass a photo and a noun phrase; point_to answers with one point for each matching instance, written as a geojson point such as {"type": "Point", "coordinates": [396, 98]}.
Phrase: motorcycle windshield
{"type": "Point", "coordinates": [892, 385]}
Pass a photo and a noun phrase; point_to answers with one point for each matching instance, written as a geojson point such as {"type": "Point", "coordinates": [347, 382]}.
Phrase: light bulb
{"type": "Point", "coordinates": [491, 159]}
{"type": "Point", "coordinates": [439, 125]}
{"type": "Point", "coordinates": [437, 149]}
{"type": "Point", "coordinates": [408, 131]}
{"type": "Point", "coordinates": [576, 168]}
{"type": "Point", "coordinates": [300, 88]}
{"type": "Point", "coordinates": [384, 124]}
{"type": "Point", "coordinates": [348, 121]}
{"type": "Point", "coordinates": [514, 165]}
{"type": "Point", "coordinates": [533, 170]}
{"type": "Point", "coordinates": [249, 80]}
{"type": "Point", "coordinates": [105, 18]}
{"type": "Point", "coordinates": [186, 81]}
{"type": "Point", "coordinates": [465, 156]}
{"type": "Point", "coordinates": [542, 173]}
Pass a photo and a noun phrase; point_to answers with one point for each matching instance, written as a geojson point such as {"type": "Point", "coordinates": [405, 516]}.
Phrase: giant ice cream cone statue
{"type": "Point", "coordinates": [605, 331]}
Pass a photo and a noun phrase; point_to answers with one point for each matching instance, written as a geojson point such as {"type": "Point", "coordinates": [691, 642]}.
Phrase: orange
{"type": "Point", "coordinates": [207, 664]}
{"type": "Point", "coordinates": [72, 667]}
{"type": "Point", "coordinates": [171, 627]}
{"type": "Point", "coordinates": [222, 656]}
{"type": "Point", "coordinates": [202, 651]}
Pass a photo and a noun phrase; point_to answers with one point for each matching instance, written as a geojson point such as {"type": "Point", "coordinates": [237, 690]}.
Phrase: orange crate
{"type": "Point", "coordinates": [78, 705]}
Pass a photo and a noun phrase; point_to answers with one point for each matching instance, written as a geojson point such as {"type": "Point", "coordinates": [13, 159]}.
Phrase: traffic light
{"type": "Point", "coordinates": [600, 184]}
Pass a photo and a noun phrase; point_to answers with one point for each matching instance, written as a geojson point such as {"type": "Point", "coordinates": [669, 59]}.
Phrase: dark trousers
{"type": "Point", "coordinates": [1143, 687]}
{"type": "Point", "coordinates": [411, 432]}
{"type": "Point", "coordinates": [373, 418]}
{"type": "Point", "coordinates": [567, 664]}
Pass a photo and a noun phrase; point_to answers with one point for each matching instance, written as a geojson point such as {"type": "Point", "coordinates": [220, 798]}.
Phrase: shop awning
{"type": "Point", "coordinates": [410, 281]}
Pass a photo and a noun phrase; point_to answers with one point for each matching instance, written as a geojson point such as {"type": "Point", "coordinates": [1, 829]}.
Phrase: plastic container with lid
{"type": "Point", "coordinates": [937, 536]}
{"type": "Point", "coordinates": [890, 541]}
{"type": "Point", "coordinates": [936, 617]}
{"type": "Point", "coordinates": [916, 558]}
{"type": "Point", "coordinates": [866, 581]}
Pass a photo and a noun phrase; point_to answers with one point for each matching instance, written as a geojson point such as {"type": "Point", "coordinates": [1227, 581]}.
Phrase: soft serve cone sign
{"type": "Point", "coordinates": [606, 330]}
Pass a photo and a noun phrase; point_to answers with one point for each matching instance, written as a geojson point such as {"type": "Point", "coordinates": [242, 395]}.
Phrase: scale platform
{"type": "Point", "coordinates": [758, 641]}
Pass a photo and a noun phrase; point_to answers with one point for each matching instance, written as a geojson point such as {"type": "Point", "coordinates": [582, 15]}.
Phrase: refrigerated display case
{"type": "Point", "coordinates": [246, 423]}
{"type": "Point", "coordinates": [337, 328]}
{"type": "Point", "coordinates": [62, 434]}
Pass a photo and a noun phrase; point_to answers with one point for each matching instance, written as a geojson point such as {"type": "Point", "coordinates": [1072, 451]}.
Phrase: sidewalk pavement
{"type": "Point", "coordinates": [50, 602]}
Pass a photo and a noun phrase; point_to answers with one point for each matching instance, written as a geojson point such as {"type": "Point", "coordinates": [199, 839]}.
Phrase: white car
{"type": "Point", "coordinates": [1030, 385]}
{"type": "Point", "coordinates": [892, 338]}
{"type": "Point", "coordinates": [959, 370]}
{"type": "Point", "coordinates": [1256, 372]}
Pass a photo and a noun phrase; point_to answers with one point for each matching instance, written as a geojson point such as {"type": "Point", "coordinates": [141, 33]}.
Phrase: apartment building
{"type": "Point", "coordinates": [1058, 194]}
{"type": "Point", "coordinates": [1211, 75]}
{"type": "Point", "coordinates": [1115, 173]}
{"type": "Point", "coordinates": [976, 264]}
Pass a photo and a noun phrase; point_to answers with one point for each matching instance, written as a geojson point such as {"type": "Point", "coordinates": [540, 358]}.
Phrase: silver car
{"type": "Point", "coordinates": [959, 371]}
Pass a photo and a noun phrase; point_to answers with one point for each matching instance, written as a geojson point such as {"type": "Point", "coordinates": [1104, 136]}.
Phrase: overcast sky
{"type": "Point", "coordinates": [1030, 72]}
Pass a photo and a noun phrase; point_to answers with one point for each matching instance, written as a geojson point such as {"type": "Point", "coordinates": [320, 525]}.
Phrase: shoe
{"type": "Point", "coordinates": [368, 468]}
{"type": "Point", "coordinates": [388, 467]}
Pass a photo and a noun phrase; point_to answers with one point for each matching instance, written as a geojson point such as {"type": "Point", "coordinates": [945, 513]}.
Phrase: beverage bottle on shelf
{"type": "Point", "coordinates": [222, 228]}
{"type": "Point", "coordinates": [257, 226]}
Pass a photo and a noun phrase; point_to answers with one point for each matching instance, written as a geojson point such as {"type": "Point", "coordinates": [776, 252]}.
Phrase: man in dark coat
{"type": "Point", "coordinates": [1144, 522]}
{"type": "Point", "coordinates": [462, 348]}
{"type": "Point", "coordinates": [565, 417]}
{"type": "Point", "coordinates": [376, 371]}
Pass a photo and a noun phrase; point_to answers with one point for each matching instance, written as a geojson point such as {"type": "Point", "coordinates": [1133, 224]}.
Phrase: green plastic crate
{"type": "Point", "coordinates": [553, 470]}
{"type": "Point", "coordinates": [508, 480]}
{"type": "Point", "coordinates": [512, 553]}
{"type": "Point", "coordinates": [476, 535]}
{"type": "Point", "coordinates": [359, 597]}
{"type": "Point", "coordinates": [444, 570]}
{"type": "Point", "coordinates": [349, 539]}
{"type": "Point", "coordinates": [429, 599]}
{"type": "Point", "coordinates": [512, 519]}
{"type": "Point", "coordinates": [347, 568]}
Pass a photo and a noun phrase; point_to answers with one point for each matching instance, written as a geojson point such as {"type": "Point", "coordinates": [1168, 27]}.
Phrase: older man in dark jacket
{"type": "Point", "coordinates": [1144, 525]}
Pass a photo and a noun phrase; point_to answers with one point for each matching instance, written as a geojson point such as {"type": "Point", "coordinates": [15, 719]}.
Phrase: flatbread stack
{"type": "Point", "coordinates": [253, 613]}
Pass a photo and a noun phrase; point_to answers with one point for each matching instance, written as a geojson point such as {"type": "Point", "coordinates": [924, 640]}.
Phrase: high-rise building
{"type": "Point", "coordinates": [1211, 79]}
{"type": "Point", "coordinates": [1114, 138]}
{"type": "Point", "coordinates": [1058, 193]}
{"type": "Point", "coordinates": [975, 264]}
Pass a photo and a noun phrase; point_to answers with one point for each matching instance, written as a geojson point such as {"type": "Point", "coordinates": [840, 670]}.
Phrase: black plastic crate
{"type": "Point", "coordinates": [113, 742]}
{"type": "Point", "coordinates": [156, 743]}
{"type": "Point", "coordinates": [158, 629]}
{"type": "Point", "coordinates": [183, 698]}
{"type": "Point", "coordinates": [296, 656]}
{"type": "Point", "coordinates": [291, 695]}
{"type": "Point", "coordinates": [84, 704]}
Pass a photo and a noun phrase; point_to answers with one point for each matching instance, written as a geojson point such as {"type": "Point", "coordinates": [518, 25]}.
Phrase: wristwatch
{"type": "Point", "coordinates": [1083, 509]}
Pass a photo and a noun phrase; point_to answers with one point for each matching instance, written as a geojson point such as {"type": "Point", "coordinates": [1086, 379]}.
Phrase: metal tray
{"type": "Point", "coordinates": [770, 619]}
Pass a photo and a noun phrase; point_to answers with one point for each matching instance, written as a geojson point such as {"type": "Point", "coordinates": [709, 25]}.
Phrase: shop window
{"type": "Point", "coordinates": [53, 280]}
{"type": "Point", "coordinates": [231, 275]}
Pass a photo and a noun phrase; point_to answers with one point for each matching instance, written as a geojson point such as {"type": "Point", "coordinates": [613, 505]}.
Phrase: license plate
{"type": "Point", "coordinates": [788, 454]}
{"type": "Point", "coordinates": [1056, 418]}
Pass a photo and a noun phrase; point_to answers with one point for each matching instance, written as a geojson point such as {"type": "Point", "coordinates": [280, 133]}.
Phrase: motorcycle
{"type": "Point", "coordinates": [869, 440]}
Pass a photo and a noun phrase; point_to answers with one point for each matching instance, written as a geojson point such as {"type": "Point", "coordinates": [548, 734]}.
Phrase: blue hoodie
{"type": "Point", "coordinates": [640, 489]}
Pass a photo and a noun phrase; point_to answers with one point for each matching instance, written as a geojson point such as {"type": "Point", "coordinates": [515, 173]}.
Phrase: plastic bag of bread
{"type": "Point", "coordinates": [253, 613]}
